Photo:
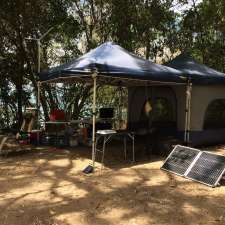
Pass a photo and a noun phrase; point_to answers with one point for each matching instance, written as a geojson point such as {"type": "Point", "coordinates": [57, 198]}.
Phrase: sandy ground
{"type": "Point", "coordinates": [46, 186]}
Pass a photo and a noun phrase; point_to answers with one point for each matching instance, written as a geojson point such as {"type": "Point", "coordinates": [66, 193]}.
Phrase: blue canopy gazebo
{"type": "Point", "coordinates": [115, 65]}
{"type": "Point", "coordinates": [112, 65]}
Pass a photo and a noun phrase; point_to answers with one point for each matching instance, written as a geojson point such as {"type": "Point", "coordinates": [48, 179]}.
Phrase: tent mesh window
{"type": "Point", "coordinates": [215, 115]}
{"type": "Point", "coordinates": [164, 115]}
{"type": "Point", "coordinates": [163, 110]}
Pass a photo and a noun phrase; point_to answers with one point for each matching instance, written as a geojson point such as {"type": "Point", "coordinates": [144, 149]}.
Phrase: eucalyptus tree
{"type": "Point", "coordinates": [146, 27]}
{"type": "Point", "coordinates": [19, 20]}
{"type": "Point", "coordinates": [203, 32]}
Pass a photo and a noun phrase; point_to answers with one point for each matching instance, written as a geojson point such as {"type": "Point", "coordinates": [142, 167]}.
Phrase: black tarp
{"type": "Point", "coordinates": [197, 72]}
{"type": "Point", "coordinates": [111, 60]}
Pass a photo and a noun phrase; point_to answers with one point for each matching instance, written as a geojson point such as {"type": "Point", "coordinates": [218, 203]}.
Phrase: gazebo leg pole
{"type": "Point", "coordinates": [186, 114]}
{"type": "Point", "coordinates": [189, 113]}
{"type": "Point", "coordinates": [94, 76]}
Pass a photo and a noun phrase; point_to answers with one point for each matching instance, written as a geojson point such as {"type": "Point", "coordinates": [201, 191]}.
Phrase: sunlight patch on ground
{"type": "Point", "coordinates": [71, 217]}
{"type": "Point", "coordinates": [51, 189]}
{"type": "Point", "coordinates": [60, 163]}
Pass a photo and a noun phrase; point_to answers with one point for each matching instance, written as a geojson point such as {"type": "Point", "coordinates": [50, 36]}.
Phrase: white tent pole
{"type": "Point", "coordinates": [186, 113]}
{"type": "Point", "coordinates": [94, 77]}
{"type": "Point", "coordinates": [189, 112]}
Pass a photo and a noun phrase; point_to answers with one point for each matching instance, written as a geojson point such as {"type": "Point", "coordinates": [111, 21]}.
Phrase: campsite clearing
{"type": "Point", "coordinates": [46, 186]}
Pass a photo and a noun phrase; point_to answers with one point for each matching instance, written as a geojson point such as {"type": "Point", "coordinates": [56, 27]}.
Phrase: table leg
{"type": "Point", "coordinates": [103, 152]}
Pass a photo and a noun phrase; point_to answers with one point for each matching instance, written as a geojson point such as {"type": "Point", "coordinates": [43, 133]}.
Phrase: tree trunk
{"type": "Point", "coordinates": [19, 91]}
{"type": "Point", "coordinates": [44, 105]}
{"type": "Point", "coordinates": [147, 53]}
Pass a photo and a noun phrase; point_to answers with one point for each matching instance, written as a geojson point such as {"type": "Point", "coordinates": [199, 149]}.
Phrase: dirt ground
{"type": "Point", "coordinates": [46, 186]}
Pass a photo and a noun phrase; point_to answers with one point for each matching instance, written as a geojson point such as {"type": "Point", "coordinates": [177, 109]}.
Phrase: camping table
{"type": "Point", "coordinates": [108, 135]}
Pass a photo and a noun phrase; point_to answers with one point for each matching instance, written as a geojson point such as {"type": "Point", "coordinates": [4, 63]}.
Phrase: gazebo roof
{"type": "Point", "coordinates": [114, 65]}
{"type": "Point", "coordinates": [197, 72]}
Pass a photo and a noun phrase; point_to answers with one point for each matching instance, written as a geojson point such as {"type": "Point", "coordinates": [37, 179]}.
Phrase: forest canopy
{"type": "Point", "coordinates": [154, 29]}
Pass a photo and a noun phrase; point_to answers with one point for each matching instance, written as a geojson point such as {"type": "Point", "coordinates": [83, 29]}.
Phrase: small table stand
{"type": "Point", "coordinates": [107, 136]}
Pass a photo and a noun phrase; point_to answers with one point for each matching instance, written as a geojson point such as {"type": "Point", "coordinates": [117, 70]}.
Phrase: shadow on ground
{"type": "Point", "coordinates": [47, 187]}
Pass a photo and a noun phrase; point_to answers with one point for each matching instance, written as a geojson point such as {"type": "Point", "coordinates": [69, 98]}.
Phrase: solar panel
{"type": "Point", "coordinates": [204, 167]}
{"type": "Point", "coordinates": [208, 169]}
{"type": "Point", "coordinates": [180, 159]}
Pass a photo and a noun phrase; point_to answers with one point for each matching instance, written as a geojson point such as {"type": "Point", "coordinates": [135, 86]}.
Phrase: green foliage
{"type": "Point", "coordinates": [203, 33]}
{"type": "Point", "coordinates": [149, 28]}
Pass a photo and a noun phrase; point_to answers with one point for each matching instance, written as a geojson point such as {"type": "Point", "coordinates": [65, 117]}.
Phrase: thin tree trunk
{"type": "Point", "coordinates": [19, 104]}
{"type": "Point", "coordinates": [44, 105]}
{"type": "Point", "coordinates": [147, 53]}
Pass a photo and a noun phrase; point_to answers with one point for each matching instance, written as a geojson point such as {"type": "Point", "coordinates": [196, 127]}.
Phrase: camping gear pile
{"type": "Point", "coordinates": [54, 132]}
{"type": "Point", "coordinates": [26, 135]}
{"type": "Point", "coordinates": [60, 131]}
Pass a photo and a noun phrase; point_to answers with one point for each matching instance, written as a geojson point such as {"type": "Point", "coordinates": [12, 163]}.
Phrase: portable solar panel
{"type": "Point", "coordinates": [180, 159]}
{"type": "Point", "coordinates": [208, 169]}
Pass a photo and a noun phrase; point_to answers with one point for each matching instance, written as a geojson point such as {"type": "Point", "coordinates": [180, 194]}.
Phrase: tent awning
{"type": "Point", "coordinates": [197, 72]}
{"type": "Point", "coordinates": [114, 65]}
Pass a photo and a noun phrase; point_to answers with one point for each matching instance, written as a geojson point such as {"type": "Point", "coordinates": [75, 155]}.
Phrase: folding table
{"type": "Point", "coordinates": [108, 135]}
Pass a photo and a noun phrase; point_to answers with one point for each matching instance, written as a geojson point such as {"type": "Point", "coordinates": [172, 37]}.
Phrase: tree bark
{"type": "Point", "coordinates": [19, 91]}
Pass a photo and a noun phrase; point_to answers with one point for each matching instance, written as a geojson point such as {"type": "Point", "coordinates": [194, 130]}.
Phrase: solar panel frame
{"type": "Point", "coordinates": [172, 152]}
{"type": "Point", "coordinates": [221, 172]}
